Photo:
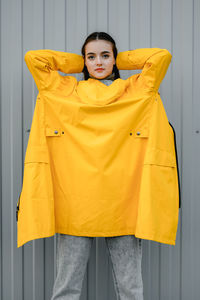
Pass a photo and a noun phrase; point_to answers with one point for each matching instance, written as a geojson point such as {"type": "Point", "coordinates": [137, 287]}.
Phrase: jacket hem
{"type": "Point", "coordinates": [151, 237]}
{"type": "Point", "coordinates": [21, 242]}
{"type": "Point", "coordinates": [156, 238]}
{"type": "Point", "coordinates": [95, 234]}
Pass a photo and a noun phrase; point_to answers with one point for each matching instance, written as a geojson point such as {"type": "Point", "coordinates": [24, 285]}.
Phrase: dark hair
{"type": "Point", "coordinates": [100, 36]}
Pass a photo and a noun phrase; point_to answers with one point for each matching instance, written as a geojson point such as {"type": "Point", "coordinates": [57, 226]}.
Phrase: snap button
{"type": "Point", "coordinates": [53, 132]}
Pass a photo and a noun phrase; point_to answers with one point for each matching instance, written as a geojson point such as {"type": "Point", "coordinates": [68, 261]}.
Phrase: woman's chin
{"type": "Point", "coordinates": [99, 76]}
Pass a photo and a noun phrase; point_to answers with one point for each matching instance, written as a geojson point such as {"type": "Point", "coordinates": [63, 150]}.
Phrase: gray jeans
{"type": "Point", "coordinates": [72, 256]}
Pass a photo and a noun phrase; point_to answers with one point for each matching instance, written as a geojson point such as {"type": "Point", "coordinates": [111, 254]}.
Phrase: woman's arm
{"type": "Point", "coordinates": [154, 63]}
{"type": "Point", "coordinates": [44, 64]}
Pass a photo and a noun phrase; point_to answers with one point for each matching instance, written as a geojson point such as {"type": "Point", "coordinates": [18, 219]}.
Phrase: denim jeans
{"type": "Point", "coordinates": [72, 257]}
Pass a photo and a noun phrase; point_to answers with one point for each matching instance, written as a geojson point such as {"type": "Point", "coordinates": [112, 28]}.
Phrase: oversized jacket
{"type": "Point", "coordinates": [100, 160]}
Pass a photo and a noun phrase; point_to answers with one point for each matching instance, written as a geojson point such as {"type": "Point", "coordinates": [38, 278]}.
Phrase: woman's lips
{"type": "Point", "coordinates": [99, 69]}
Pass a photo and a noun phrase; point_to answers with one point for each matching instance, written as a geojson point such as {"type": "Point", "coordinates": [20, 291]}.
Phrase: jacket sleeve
{"type": "Point", "coordinates": [153, 62]}
{"type": "Point", "coordinates": [44, 64]}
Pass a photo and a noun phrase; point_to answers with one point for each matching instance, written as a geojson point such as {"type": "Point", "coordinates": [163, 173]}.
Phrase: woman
{"type": "Point", "coordinates": [99, 52]}
{"type": "Point", "coordinates": [100, 161]}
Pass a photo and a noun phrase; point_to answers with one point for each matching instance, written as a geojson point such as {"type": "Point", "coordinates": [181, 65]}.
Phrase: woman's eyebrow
{"type": "Point", "coordinates": [103, 52]}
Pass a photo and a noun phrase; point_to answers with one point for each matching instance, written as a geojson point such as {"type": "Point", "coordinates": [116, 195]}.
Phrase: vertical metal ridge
{"type": "Point", "coordinates": [172, 26]}
{"type": "Point", "coordinates": [55, 255]}
{"type": "Point", "coordinates": [44, 273]}
{"type": "Point", "coordinates": [181, 151]}
{"type": "Point", "coordinates": [87, 24]}
{"type": "Point", "coordinates": [150, 23]}
{"type": "Point", "coordinates": [65, 7]}
{"type": "Point", "coordinates": [192, 55]}
{"type": "Point", "coordinates": [22, 129]}
{"type": "Point", "coordinates": [11, 189]}
{"type": "Point", "coordinates": [129, 25]}
{"type": "Point", "coordinates": [96, 269]}
{"type": "Point", "coordinates": [1, 257]}
{"type": "Point", "coordinates": [159, 270]}
{"type": "Point", "coordinates": [44, 24]}
{"type": "Point", "coordinates": [11, 176]}
{"type": "Point", "coordinates": [108, 11]}
{"type": "Point", "coordinates": [34, 273]}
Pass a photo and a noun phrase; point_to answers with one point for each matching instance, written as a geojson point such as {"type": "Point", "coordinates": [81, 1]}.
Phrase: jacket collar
{"type": "Point", "coordinates": [93, 91]}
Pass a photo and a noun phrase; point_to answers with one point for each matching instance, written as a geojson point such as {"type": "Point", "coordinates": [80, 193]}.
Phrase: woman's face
{"type": "Point", "coordinates": [99, 58]}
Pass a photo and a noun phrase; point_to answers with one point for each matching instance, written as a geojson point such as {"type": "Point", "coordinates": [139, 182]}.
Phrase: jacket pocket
{"type": "Point", "coordinates": [37, 179]}
{"type": "Point", "coordinates": [141, 133]}
{"type": "Point", "coordinates": [53, 132]}
{"type": "Point", "coordinates": [36, 154]}
{"type": "Point", "coordinates": [160, 157]}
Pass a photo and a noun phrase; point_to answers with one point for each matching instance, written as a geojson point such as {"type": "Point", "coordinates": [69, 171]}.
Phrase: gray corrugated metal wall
{"type": "Point", "coordinates": [169, 272]}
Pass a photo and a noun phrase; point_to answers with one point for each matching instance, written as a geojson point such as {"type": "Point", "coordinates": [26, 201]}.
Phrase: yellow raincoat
{"type": "Point", "coordinates": [100, 160]}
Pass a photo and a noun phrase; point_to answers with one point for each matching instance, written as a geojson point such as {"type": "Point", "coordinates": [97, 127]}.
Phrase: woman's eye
{"type": "Point", "coordinates": [105, 56]}
{"type": "Point", "coordinates": [91, 57]}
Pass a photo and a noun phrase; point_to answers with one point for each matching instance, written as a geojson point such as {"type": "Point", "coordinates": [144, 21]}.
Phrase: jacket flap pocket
{"type": "Point", "coordinates": [36, 154]}
{"type": "Point", "coordinates": [52, 131]}
{"type": "Point", "coordinates": [141, 133]}
{"type": "Point", "coordinates": [160, 157]}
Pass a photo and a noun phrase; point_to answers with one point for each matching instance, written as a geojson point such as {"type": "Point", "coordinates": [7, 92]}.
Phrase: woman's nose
{"type": "Point", "coordinates": [98, 60]}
